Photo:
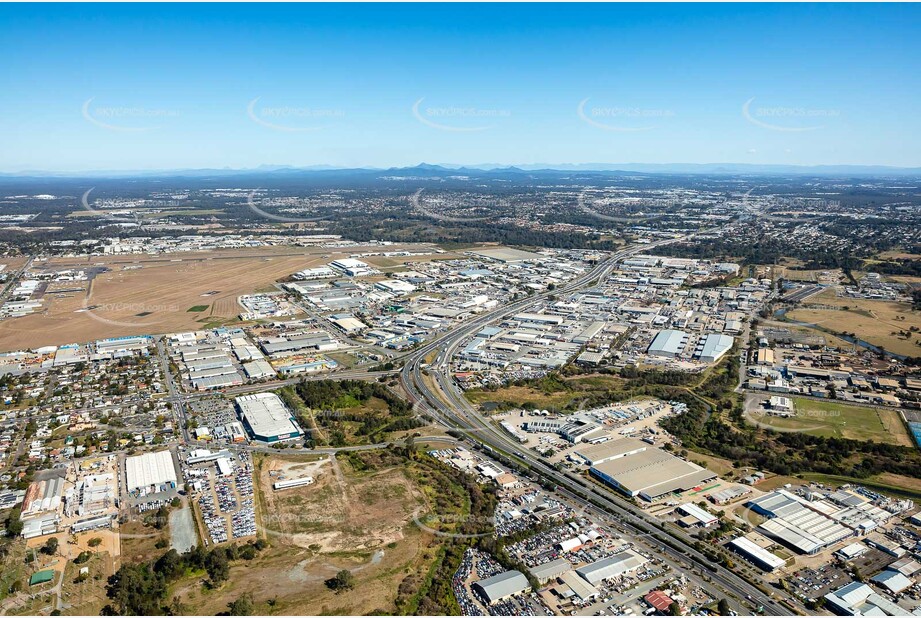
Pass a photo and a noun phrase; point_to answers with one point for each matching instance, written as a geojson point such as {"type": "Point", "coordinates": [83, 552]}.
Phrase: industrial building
{"type": "Point", "coordinates": [612, 449]}
{"type": "Point", "coordinates": [713, 347]}
{"type": "Point", "coordinates": [696, 516]}
{"type": "Point", "coordinates": [150, 470]}
{"type": "Point", "coordinates": [761, 557]}
{"type": "Point", "coordinates": [650, 474]}
{"type": "Point", "coordinates": [581, 589]}
{"type": "Point", "coordinates": [668, 344]}
{"type": "Point", "coordinates": [267, 418]}
{"type": "Point", "coordinates": [613, 566]}
{"type": "Point", "coordinates": [551, 570]}
{"type": "Point", "coordinates": [502, 586]}
{"type": "Point", "coordinates": [795, 524]}
{"type": "Point", "coordinates": [301, 482]}
{"type": "Point", "coordinates": [858, 599]}
{"type": "Point", "coordinates": [352, 267]}
{"type": "Point", "coordinates": [43, 496]}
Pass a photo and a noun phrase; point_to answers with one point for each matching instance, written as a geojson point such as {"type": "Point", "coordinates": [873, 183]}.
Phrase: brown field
{"type": "Point", "coordinates": [871, 320]}
{"type": "Point", "coordinates": [340, 512]}
{"type": "Point", "coordinates": [815, 276]}
{"type": "Point", "coordinates": [156, 297]}
{"type": "Point", "coordinates": [898, 255]}
{"type": "Point", "coordinates": [357, 521]}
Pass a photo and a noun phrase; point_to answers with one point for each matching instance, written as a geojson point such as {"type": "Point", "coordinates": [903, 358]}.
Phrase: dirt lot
{"type": "Point", "coordinates": [340, 512]}
{"type": "Point", "coordinates": [357, 521]}
{"type": "Point", "coordinates": [153, 294]}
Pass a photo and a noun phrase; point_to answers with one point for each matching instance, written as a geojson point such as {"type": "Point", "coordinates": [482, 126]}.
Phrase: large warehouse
{"type": "Point", "coordinates": [502, 586]}
{"type": "Point", "coordinates": [650, 474]}
{"type": "Point", "coordinates": [612, 449]}
{"type": "Point", "coordinates": [795, 524]}
{"type": "Point", "coordinates": [713, 347]}
{"type": "Point", "coordinates": [267, 418]}
{"type": "Point", "coordinates": [612, 566]}
{"type": "Point", "coordinates": [149, 470]}
{"type": "Point", "coordinates": [668, 344]}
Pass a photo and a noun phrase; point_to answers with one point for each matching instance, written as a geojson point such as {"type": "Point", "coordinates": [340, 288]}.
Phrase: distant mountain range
{"type": "Point", "coordinates": [734, 169]}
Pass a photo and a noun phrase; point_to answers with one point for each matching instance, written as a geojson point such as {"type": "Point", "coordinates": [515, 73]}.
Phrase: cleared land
{"type": "Point", "coordinates": [351, 518]}
{"type": "Point", "coordinates": [833, 419]}
{"type": "Point", "coordinates": [153, 294]}
{"type": "Point", "coordinates": [875, 321]}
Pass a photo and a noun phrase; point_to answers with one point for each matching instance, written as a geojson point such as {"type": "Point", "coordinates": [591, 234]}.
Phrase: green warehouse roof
{"type": "Point", "coordinates": [41, 577]}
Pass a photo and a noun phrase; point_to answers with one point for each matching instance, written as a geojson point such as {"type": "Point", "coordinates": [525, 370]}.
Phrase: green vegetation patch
{"type": "Point", "coordinates": [198, 308]}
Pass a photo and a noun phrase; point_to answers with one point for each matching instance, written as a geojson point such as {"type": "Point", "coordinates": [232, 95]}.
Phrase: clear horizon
{"type": "Point", "coordinates": [176, 87]}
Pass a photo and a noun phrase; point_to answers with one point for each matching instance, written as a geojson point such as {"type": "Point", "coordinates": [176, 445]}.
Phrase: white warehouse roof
{"type": "Point", "coordinates": [502, 586]}
{"type": "Point", "coordinates": [714, 347]}
{"type": "Point", "coordinates": [149, 469]}
{"type": "Point", "coordinates": [668, 343]}
{"type": "Point", "coordinates": [612, 566]}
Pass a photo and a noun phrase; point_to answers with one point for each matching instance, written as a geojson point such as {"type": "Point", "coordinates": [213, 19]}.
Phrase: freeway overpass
{"type": "Point", "coordinates": [451, 409]}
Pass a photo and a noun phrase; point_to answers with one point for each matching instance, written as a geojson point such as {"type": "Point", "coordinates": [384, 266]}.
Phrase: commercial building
{"type": "Point", "coordinates": [612, 449]}
{"type": "Point", "coordinates": [290, 483]}
{"type": "Point", "coordinates": [551, 570]}
{"type": "Point", "coordinates": [502, 586]}
{"type": "Point", "coordinates": [613, 566]}
{"type": "Point", "coordinates": [267, 418]}
{"type": "Point", "coordinates": [668, 344]}
{"type": "Point", "coordinates": [352, 267]}
{"type": "Point", "coordinates": [713, 347]}
{"type": "Point", "coordinates": [858, 599]}
{"type": "Point", "coordinates": [761, 557]}
{"type": "Point", "coordinates": [697, 515]}
{"type": "Point", "coordinates": [795, 524]}
{"type": "Point", "coordinates": [149, 470]}
{"type": "Point", "coordinates": [651, 474]}
{"type": "Point", "coordinates": [43, 496]}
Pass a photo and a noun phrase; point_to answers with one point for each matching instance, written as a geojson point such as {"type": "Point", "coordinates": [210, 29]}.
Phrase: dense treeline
{"type": "Point", "coordinates": [332, 405]}
{"type": "Point", "coordinates": [141, 589]}
{"type": "Point", "coordinates": [789, 453]}
{"type": "Point", "coordinates": [333, 394]}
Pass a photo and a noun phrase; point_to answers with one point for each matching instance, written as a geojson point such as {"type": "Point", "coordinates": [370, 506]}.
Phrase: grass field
{"type": "Point", "coordinates": [834, 419]}
{"type": "Point", "coordinates": [874, 321]}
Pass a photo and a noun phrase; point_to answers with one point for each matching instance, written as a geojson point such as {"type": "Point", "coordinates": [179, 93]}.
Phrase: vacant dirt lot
{"type": "Point", "coordinates": [346, 520]}
{"type": "Point", "coordinates": [341, 511]}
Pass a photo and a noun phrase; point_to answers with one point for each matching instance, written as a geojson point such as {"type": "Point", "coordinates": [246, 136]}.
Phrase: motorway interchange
{"type": "Point", "coordinates": [444, 403]}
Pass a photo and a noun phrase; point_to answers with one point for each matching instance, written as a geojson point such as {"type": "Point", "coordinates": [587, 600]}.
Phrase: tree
{"type": "Point", "coordinates": [344, 580]}
{"type": "Point", "coordinates": [14, 523]}
{"type": "Point", "coordinates": [217, 566]}
{"type": "Point", "coordinates": [723, 607]}
{"type": "Point", "coordinates": [674, 609]}
{"type": "Point", "coordinates": [50, 547]}
{"type": "Point", "coordinates": [95, 542]}
{"type": "Point", "coordinates": [243, 606]}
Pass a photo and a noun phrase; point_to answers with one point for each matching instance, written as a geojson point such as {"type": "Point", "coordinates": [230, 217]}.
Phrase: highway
{"type": "Point", "coordinates": [451, 409]}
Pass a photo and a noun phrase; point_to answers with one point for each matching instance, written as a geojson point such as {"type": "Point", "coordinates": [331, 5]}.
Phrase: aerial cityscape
{"type": "Point", "coordinates": [480, 310]}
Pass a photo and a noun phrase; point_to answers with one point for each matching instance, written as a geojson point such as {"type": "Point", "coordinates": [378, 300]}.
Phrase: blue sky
{"type": "Point", "coordinates": [90, 87]}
